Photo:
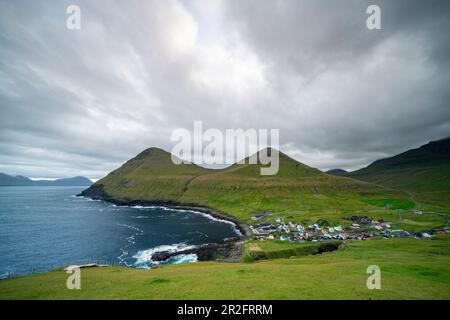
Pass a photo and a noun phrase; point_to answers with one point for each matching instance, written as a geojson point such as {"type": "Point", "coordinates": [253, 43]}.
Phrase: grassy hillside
{"type": "Point", "coordinates": [297, 191]}
{"type": "Point", "coordinates": [423, 172]}
{"type": "Point", "coordinates": [337, 172]}
{"type": "Point", "coordinates": [410, 269]}
{"type": "Point", "coordinates": [255, 250]}
{"type": "Point", "coordinates": [151, 175]}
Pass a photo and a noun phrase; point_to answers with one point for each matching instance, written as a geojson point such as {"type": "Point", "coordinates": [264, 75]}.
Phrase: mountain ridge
{"type": "Point", "coordinates": [433, 150]}
{"type": "Point", "coordinates": [237, 190]}
{"type": "Point", "coordinates": [337, 172]}
{"type": "Point", "coordinates": [8, 180]}
{"type": "Point", "coordinates": [424, 172]}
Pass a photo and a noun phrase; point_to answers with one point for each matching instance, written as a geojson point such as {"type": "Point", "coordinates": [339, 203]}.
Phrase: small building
{"type": "Point", "coordinates": [263, 229]}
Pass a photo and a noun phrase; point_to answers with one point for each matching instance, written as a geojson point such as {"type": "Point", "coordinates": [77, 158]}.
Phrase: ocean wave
{"type": "Point", "coordinates": [130, 241]}
{"type": "Point", "coordinates": [139, 207]}
{"type": "Point", "coordinates": [183, 258]}
{"type": "Point", "coordinates": [206, 215]}
{"type": "Point", "coordinates": [4, 275]}
{"type": "Point", "coordinates": [235, 227]}
{"type": "Point", "coordinates": [130, 227]}
{"type": "Point", "coordinates": [85, 198]}
{"type": "Point", "coordinates": [144, 257]}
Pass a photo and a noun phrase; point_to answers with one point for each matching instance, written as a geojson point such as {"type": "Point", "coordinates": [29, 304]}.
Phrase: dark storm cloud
{"type": "Point", "coordinates": [367, 93]}
{"type": "Point", "coordinates": [84, 101]}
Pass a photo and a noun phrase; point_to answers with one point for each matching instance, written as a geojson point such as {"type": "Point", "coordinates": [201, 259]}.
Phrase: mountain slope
{"type": "Point", "coordinates": [74, 181]}
{"type": "Point", "coordinates": [151, 175]}
{"type": "Point", "coordinates": [7, 180]}
{"type": "Point", "coordinates": [424, 172]}
{"type": "Point", "coordinates": [238, 190]}
{"type": "Point", "coordinates": [337, 172]}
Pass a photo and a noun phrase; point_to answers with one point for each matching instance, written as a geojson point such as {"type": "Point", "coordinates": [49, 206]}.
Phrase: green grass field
{"type": "Point", "coordinates": [276, 249]}
{"type": "Point", "coordinates": [410, 269]}
{"type": "Point", "coordinates": [392, 203]}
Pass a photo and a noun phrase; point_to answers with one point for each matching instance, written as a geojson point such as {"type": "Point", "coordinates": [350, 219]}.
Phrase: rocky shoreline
{"type": "Point", "coordinates": [230, 250]}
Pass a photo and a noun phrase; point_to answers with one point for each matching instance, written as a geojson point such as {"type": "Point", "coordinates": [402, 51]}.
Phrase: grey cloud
{"type": "Point", "coordinates": [85, 101]}
{"type": "Point", "coordinates": [349, 89]}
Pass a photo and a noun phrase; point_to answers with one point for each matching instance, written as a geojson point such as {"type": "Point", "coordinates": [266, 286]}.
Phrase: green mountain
{"type": "Point", "coordinates": [151, 176]}
{"type": "Point", "coordinates": [337, 172]}
{"type": "Point", "coordinates": [238, 190]}
{"type": "Point", "coordinates": [74, 181]}
{"type": "Point", "coordinates": [423, 172]}
{"type": "Point", "coordinates": [7, 180]}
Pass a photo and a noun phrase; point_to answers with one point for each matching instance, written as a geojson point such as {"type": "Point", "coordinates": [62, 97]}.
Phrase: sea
{"type": "Point", "coordinates": [45, 228]}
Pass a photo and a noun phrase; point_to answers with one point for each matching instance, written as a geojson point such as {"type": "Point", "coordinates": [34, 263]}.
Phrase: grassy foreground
{"type": "Point", "coordinates": [410, 269]}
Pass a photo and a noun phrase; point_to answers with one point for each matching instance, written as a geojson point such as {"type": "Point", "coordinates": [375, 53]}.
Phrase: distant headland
{"type": "Point", "coordinates": [8, 180]}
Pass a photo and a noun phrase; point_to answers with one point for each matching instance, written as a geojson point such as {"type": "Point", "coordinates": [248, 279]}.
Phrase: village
{"type": "Point", "coordinates": [361, 228]}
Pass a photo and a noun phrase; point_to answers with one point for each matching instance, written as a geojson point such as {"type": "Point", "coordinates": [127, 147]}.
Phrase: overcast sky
{"type": "Point", "coordinates": [81, 102]}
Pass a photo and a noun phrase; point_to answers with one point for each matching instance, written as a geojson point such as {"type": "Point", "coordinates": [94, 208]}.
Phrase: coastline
{"type": "Point", "coordinates": [96, 192]}
{"type": "Point", "coordinates": [230, 249]}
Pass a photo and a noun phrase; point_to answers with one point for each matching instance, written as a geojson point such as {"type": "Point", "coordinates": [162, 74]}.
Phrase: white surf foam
{"type": "Point", "coordinates": [183, 258]}
{"type": "Point", "coordinates": [130, 241]}
{"type": "Point", "coordinates": [206, 215]}
{"type": "Point", "coordinates": [4, 275]}
{"type": "Point", "coordinates": [144, 257]}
